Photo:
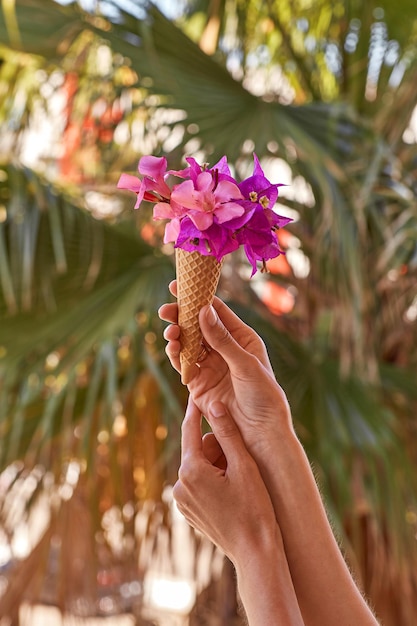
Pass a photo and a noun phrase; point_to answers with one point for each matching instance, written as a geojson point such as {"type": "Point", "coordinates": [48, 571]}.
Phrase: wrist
{"type": "Point", "coordinates": [286, 472]}
{"type": "Point", "coordinates": [277, 439]}
{"type": "Point", "coordinates": [265, 585]}
{"type": "Point", "coordinates": [256, 552]}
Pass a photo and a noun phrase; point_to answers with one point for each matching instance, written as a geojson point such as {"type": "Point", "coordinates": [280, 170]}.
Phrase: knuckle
{"type": "Point", "coordinates": [227, 430]}
{"type": "Point", "coordinates": [172, 350]}
{"type": "Point", "coordinates": [178, 492]}
{"type": "Point", "coordinates": [260, 343]}
{"type": "Point", "coordinates": [184, 425]}
{"type": "Point", "coordinates": [223, 335]}
{"type": "Point", "coordinates": [186, 473]}
{"type": "Point", "coordinates": [249, 366]}
{"type": "Point", "coordinates": [182, 475]}
{"type": "Point", "coordinates": [256, 366]}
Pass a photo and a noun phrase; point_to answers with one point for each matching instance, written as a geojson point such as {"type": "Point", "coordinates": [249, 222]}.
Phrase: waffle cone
{"type": "Point", "coordinates": [197, 280]}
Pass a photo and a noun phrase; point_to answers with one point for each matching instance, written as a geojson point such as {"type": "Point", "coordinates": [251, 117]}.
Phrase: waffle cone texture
{"type": "Point", "coordinates": [197, 280]}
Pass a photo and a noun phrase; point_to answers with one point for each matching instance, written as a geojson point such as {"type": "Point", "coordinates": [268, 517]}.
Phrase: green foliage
{"type": "Point", "coordinates": [73, 287]}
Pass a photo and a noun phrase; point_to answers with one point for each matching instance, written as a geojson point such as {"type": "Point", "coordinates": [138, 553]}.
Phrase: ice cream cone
{"type": "Point", "coordinates": [197, 280]}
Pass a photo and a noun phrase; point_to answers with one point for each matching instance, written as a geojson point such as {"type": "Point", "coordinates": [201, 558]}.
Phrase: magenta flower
{"type": "Point", "coordinates": [258, 189]}
{"type": "Point", "coordinates": [152, 186]}
{"type": "Point", "coordinates": [209, 211]}
{"type": "Point", "coordinates": [207, 198]}
{"type": "Point", "coordinates": [220, 171]}
{"type": "Point", "coordinates": [259, 238]}
{"type": "Point", "coordinates": [215, 240]}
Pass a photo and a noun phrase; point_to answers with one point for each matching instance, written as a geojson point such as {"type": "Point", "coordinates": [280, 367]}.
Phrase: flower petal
{"type": "Point", "coordinates": [204, 182]}
{"type": "Point", "coordinates": [202, 219]}
{"type": "Point", "coordinates": [195, 169]}
{"type": "Point", "coordinates": [184, 194]}
{"type": "Point", "coordinates": [226, 190]}
{"type": "Point", "coordinates": [132, 183]}
{"type": "Point", "coordinates": [163, 211]}
{"type": "Point", "coordinates": [152, 166]}
{"type": "Point", "coordinates": [172, 230]}
{"type": "Point", "coordinates": [228, 211]}
{"type": "Point", "coordinates": [257, 169]}
{"type": "Point", "coordinates": [222, 167]}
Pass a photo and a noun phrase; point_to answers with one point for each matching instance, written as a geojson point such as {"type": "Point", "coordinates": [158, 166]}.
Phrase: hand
{"type": "Point", "coordinates": [220, 490]}
{"type": "Point", "coordinates": [221, 493]}
{"type": "Point", "coordinates": [236, 370]}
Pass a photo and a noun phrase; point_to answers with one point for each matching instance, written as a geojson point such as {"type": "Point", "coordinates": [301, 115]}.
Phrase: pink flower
{"type": "Point", "coordinates": [215, 240]}
{"type": "Point", "coordinates": [152, 186]}
{"type": "Point", "coordinates": [206, 199]}
{"type": "Point", "coordinates": [259, 239]}
{"type": "Point", "coordinates": [258, 189]}
{"type": "Point", "coordinates": [209, 211]}
{"type": "Point", "coordinates": [221, 170]}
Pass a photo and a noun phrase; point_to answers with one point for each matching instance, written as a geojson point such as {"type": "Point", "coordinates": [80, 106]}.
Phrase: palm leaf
{"type": "Point", "coordinates": [56, 26]}
{"type": "Point", "coordinates": [73, 286]}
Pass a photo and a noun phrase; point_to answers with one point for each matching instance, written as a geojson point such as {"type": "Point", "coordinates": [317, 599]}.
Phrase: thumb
{"type": "Point", "coordinates": [226, 432]}
{"type": "Point", "coordinates": [220, 339]}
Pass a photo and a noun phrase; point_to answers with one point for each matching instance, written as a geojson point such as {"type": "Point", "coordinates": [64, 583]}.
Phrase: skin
{"type": "Point", "coordinates": [237, 371]}
{"type": "Point", "coordinates": [221, 493]}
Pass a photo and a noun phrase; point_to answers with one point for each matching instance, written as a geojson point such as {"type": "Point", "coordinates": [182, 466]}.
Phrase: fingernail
{"type": "Point", "coordinates": [217, 409]}
{"type": "Point", "coordinates": [211, 316]}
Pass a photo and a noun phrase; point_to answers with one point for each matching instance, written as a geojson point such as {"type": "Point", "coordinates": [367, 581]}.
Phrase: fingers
{"type": "Point", "coordinates": [243, 334]}
{"type": "Point", "coordinates": [172, 350]}
{"type": "Point", "coordinates": [169, 312]}
{"type": "Point", "coordinates": [232, 321]}
{"type": "Point", "coordinates": [213, 451]}
{"type": "Point", "coordinates": [224, 441]}
{"type": "Point", "coordinates": [226, 433]}
{"type": "Point", "coordinates": [220, 338]}
{"type": "Point", "coordinates": [172, 333]}
{"type": "Point", "coordinates": [191, 443]}
{"type": "Point", "coordinates": [226, 336]}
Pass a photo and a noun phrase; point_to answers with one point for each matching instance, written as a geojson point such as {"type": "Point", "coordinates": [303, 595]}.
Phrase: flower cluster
{"type": "Point", "coordinates": [209, 211]}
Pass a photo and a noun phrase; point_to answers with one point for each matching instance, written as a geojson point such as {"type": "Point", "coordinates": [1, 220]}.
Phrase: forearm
{"type": "Point", "coordinates": [325, 589]}
{"type": "Point", "coordinates": [266, 589]}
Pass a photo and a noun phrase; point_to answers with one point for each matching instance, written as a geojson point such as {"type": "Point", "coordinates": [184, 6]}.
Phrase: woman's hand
{"type": "Point", "coordinates": [220, 490]}
{"type": "Point", "coordinates": [236, 370]}
{"type": "Point", "coordinates": [221, 493]}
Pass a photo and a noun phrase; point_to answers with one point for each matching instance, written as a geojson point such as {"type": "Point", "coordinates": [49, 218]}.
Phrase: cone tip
{"type": "Point", "coordinates": [188, 372]}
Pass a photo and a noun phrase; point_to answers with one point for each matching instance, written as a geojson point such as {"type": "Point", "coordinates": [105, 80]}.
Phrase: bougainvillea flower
{"type": "Point", "coordinates": [209, 211]}
{"type": "Point", "coordinates": [172, 230]}
{"type": "Point", "coordinates": [258, 239]}
{"type": "Point", "coordinates": [258, 189]}
{"type": "Point", "coordinates": [215, 240]}
{"type": "Point", "coordinates": [206, 199]}
{"type": "Point", "coordinates": [220, 171]}
{"type": "Point", "coordinates": [152, 186]}
{"type": "Point", "coordinates": [275, 220]}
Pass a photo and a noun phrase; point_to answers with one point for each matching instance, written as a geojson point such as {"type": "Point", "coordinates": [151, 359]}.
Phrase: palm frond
{"type": "Point", "coordinates": [56, 26]}
{"type": "Point", "coordinates": [72, 289]}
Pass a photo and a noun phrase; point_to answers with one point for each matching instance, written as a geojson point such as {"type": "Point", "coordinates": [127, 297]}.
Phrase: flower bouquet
{"type": "Point", "coordinates": [209, 215]}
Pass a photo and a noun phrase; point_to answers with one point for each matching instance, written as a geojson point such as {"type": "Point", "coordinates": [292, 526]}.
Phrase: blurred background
{"type": "Point", "coordinates": [325, 93]}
